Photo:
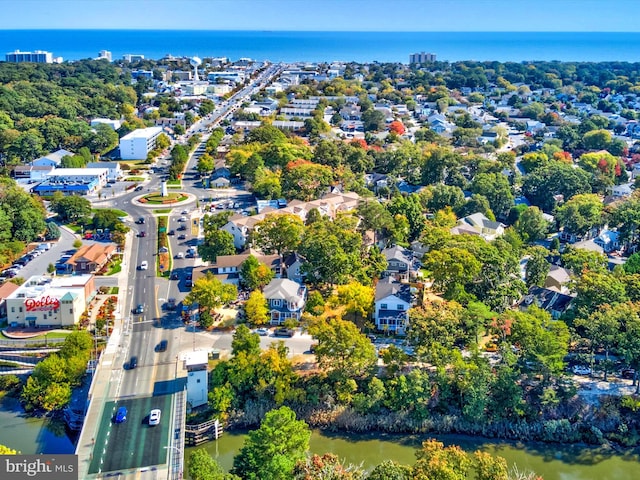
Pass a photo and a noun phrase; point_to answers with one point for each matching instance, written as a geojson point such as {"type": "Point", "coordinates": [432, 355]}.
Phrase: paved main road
{"type": "Point", "coordinates": [132, 447]}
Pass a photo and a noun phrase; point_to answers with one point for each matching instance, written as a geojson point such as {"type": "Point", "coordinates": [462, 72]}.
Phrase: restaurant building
{"type": "Point", "coordinates": [45, 301]}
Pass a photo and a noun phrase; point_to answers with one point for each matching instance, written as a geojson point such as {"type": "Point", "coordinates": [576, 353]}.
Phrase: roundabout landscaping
{"type": "Point", "coordinates": [172, 199]}
{"type": "Point", "coordinates": [169, 199]}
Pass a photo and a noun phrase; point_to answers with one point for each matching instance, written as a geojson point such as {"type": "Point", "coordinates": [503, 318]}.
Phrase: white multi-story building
{"type": "Point", "coordinates": [421, 57]}
{"type": "Point", "coordinates": [39, 56]}
{"type": "Point", "coordinates": [50, 301]}
{"type": "Point", "coordinates": [137, 144]}
{"type": "Point", "coordinates": [132, 57]}
{"type": "Point", "coordinates": [106, 54]}
{"type": "Point", "coordinates": [234, 76]}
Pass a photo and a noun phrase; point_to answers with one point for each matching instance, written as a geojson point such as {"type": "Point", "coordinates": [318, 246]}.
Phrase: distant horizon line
{"type": "Point", "coordinates": [306, 31]}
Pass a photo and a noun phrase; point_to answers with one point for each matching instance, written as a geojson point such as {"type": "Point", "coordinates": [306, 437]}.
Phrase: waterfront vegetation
{"type": "Point", "coordinates": [49, 386]}
{"type": "Point", "coordinates": [279, 450]}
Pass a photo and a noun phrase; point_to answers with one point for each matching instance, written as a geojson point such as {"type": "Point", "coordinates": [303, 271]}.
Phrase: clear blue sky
{"type": "Point", "coordinates": [349, 15]}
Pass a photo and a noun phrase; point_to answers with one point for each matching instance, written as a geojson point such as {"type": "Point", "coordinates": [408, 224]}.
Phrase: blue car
{"type": "Point", "coordinates": [121, 415]}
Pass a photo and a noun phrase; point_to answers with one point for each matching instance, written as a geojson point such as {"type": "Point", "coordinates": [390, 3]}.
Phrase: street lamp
{"type": "Point", "coordinates": [179, 450]}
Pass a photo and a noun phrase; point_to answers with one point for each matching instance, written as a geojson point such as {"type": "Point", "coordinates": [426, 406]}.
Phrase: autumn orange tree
{"type": "Point", "coordinates": [397, 127]}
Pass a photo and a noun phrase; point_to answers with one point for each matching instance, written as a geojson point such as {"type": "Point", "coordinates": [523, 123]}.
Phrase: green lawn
{"type": "Point", "coordinates": [115, 266]}
{"type": "Point", "coordinates": [162, 210]}
{"type": "Point", "coordinates": [120, 213]}
{"type": "Point", "coordinates": [134, 179]}
{"type": "Point", "coordinates": [173, 183]}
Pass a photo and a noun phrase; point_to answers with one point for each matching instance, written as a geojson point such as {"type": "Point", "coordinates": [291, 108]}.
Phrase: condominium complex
{"type": "Point", "coordinates": [137, 144]}
{"type": "Point", "coordinates": [132, 57]}
{"type": "Point", "coordinates": [421, 57]}
{"type": "Point", "coordinates": [106, 54]}
{"type": "Point", "coordinates": [39, 56]}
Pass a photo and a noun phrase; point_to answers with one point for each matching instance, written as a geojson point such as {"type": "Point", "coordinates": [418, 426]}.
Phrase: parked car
{"type": "Point", "coordinates": [581, 370]}
{"type": "Point", "coordinates": [283, 332]}
{"type": "Point", "coordinates": [175, 276]}
{"type": "Point", "coordinates": [121, 415]}
{"type": "Point", "coordinates": [263, 332]}
{"type": "Point", "coordinates": [171, 232]}
{"type": "Point", "coordinates": [627, 373]}
{"type": "Point", "coordinates": [182, 236]}
{"type": "Point", "coordinates": [182, 228]}
{"type": "Point", "coordinates": [154, 417]}
{"type": "Point", "coordinates": [180, 255]}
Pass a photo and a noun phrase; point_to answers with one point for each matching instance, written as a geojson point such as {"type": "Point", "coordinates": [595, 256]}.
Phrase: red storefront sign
{"type": "Point", "coordinates": [42, 303]}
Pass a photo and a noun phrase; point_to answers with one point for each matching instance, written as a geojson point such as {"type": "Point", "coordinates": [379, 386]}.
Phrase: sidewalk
{"type": "Point", "coordinates": [100, 386]}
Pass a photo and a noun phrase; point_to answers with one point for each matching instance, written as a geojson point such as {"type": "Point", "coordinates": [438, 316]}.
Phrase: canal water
{"type": "Point", "coordinates": [31, 435]}
{"type": "Point", "coordinates": [552, 462]}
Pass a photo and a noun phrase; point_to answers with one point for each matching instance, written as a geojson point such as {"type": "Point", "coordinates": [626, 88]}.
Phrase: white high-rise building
{"type": "Point", "coordinates": [132, 57]}
{"type": "Point", "coordinates": [39, 56]}
{"type": "Point", "coordinates": [136, 145]}
{"type": "Point", "coordinates": [106, 54]}
{"type": "Point", "coordinates": [422, 57]}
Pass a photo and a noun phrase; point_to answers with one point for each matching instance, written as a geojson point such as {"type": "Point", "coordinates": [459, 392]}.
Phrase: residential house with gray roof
{"type": "Point", "coordinates": [399, 263]}
{"type": "Point", "coordinates": [286, 299]}
{"type": "Point", "coordinates": [391, 306]}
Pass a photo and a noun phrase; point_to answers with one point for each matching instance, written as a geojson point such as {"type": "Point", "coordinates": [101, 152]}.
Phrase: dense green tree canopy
{"type": "Point", "coordinates": [274, 449]}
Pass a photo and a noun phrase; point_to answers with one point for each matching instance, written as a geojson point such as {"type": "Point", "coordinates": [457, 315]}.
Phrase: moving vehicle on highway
{"type": "Point", "coordinates": [154, 417]}
{"type": "Point", "coordinates": [121, 415]}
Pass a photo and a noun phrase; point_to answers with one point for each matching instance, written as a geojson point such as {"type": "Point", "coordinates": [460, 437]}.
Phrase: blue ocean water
{"type": "Point", "coordinates": [329, 46]}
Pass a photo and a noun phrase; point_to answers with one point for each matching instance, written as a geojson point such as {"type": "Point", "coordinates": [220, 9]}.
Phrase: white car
{"type": "Point", "coordinates": [179, 255]}
{"type": "Point", "coordinates": [154, 416]}
{"type": "Point", "coordinates": [581, 370]}
{"type": "Point", "coordinates": [144, 265]}
{"type": "Point", "coordinates": [263, 332]}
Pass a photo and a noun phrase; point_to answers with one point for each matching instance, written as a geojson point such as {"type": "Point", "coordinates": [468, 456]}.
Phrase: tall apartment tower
{"type": "Point", "coordinates": [106, 54]}
{"type": "Point", "coordinates": [421, 57]}
{"type": "Point", "coordinates": [39, 56]}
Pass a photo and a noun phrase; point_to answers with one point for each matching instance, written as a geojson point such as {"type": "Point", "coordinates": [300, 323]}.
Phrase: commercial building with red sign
{"type": "Point", "coordinates": [44, 301]}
